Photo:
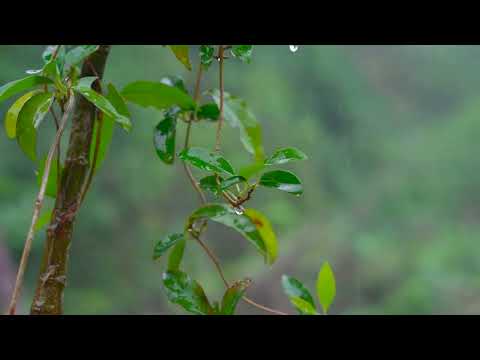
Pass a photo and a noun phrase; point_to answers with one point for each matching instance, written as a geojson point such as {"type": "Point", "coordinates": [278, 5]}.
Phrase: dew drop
{"type": "Point", "coordinates": [293, 48]}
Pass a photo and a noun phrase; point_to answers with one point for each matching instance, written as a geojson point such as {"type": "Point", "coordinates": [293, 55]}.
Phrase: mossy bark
{"type": "Point", "coordinates": [51, 283]}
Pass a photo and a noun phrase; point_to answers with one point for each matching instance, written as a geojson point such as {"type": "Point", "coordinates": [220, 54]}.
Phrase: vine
{"type": "Point", "coordinates": [72, 80]}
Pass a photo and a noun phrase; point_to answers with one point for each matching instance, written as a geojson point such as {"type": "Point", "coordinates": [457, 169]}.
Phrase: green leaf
{"type": "Point", "coordinates": [209, 183]}
{"type": "Point", "coordinates": [52, 185]}
{"type": "Point", "coordinates": [164, 139]}
{"type": "Point", "coordinates": [286, 155]}
{"type": "Point", "coordinates": [209, 112]}
{"type": "Point", "coordinates": [242, 52]}
{"type": "Point", "coordinates": [237, 114]}
{"type": "Point", "coordinates": [251, 170]}
{"type": "Point", "coordinates": [207, 55]}
{"type": "Point", "coordinates": [184, 291]}
{"type": "Point", "coordinates": [233, 295]}
{"type": "Point", "coordinates": [107, 126]}
{"type": "Point", "coordinates": [295, 289]}
{"type": "Point", "coordinates": [304, 307]}
{"type": "Point", "coordinates": [265, 229]}
{"type": "Point", "coordinates": [31, 113]}
{"type": "Point", "coordinates": [175, 81]}
{"type": "Point", "coordinates": [181, 52]}
{"type": "Point", "coordinates": [79, 54]}
{"type": "Point", "coordinates": [18, 86]}
{"type": "Point", "coordinates": [205, 160]}
{"type": "Point", "coordinates": [234, 180]}
{"type": "Point", "coordinates": [176, 255]}
{"type": "Point", "coordinates": [84, 87]}
{"type": "Point", "coordinates": [282, 180]}
{"type": "Point", "coordinates": [12, 114]}
{"type": "Point", "coordinates": [326, 287]}
{"type": "Point", "coordinates": [165, 244]}
{"type": "Point", "coordinates": [157, 95]}
{"type": "Point", "coordinates": [224, 214]}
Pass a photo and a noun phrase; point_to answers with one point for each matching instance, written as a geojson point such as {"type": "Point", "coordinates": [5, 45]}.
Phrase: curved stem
{"type": "Point", "coordinates": [38, 207]}
{"type": "Point", "coordinates": [221, 60]}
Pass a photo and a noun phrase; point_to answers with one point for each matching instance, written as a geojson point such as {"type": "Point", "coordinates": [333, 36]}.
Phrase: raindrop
{"type": "Point", "coordinates": [238, 210]}
{"type": "Point", "coordinates": [293, 48]}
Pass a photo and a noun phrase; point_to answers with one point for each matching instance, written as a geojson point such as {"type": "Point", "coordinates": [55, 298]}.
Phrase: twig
{"type": "Point", "coordinates": [221, 59]}
{"type": "Point", "coordinates": [216, 262]}
{"type": "Point", "coordinates": [57, 126]}
{"type": "Point", "coordinates": [38, 207]}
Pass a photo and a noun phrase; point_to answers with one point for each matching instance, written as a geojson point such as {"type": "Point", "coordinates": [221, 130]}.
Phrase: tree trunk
{"type": "Point", "coordinates": [53, 272]}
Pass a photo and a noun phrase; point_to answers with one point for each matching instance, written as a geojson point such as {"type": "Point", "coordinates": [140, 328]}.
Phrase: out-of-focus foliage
{"type": "Point", "coordinates": [393, 182]}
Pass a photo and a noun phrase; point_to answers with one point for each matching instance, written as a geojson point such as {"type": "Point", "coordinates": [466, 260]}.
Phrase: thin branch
{"type": "Point", "coordinates": [38, 207]}
{"type": "Point", "coordinates": [57, 126]}
{"type": "Point", "coordinates": [218, 266]}
{"type": "Point", "coordinates": [221, 59]}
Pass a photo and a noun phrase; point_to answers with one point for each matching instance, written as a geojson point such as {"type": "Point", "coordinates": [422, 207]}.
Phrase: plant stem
{"type": "Point", "coordinates": [221, 60]}
{"type": "Point", "coordinates": [51, 283]}
{"type": "Point", "coordinates": [38, 207]}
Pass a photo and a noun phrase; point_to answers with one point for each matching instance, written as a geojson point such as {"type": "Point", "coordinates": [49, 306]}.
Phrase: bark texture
{"type": "Point", "coordinates": [52, 280]}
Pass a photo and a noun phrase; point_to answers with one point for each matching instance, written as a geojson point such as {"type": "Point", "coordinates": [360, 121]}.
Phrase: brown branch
{"type": "Point", "coordinates": [37, 209]}
{"type": "Point", "coordinates": [221, 59]}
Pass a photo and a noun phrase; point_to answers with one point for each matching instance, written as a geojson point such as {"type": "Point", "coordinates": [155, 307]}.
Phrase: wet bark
{"type": "Point", "coordinates": [52, 280]}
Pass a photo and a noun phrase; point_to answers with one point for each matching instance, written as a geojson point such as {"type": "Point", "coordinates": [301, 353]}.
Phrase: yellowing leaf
{"type": "Point", "coordinates": [266, 232]}
{"type": "Point", "coordinates": [181, 52]}
{"type": "Point", "coordinates": [326, 288]}
{"type": "Point", "coordinates": [12, 114]}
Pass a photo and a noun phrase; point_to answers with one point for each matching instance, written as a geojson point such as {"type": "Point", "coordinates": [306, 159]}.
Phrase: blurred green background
{"type": "Point", "coordinates": [392, 187]}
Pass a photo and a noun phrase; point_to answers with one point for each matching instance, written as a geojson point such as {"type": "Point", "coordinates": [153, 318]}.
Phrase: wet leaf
{"type": "Point", "coordinates": [157, 95]}
{"type": "Point", "coordinates": [176, 255]}
{"type": "Point", "coordinates": [206, 160]}
{"type": "Point", "coordinates": [242, 52]}
{"type": "Point", "coordinates": [15, 87]}
{"type": "Point", "coordinates": [238, 115]}
{"type": "Point", "coordinates": [209, 183]}
{"type": "Point", "coordinates": [304, 307]}
{"type": "Point", "coordinates": [232, 296]}
{"type": "Point", "coordinates": [181, 52]}
{"type": "Point", "coordinates": [224, 214]}
{"type": "Point", "coordinates": [295, 289]}
{"type": "Point", "coordinates": [164, 139]}
{"type": "Point", "coordinates": [184, 291]}
{"type": "Point", "coordinates": [209, 112]}
{"type": "Point", "coordinates": [32, 112]}
{"type": "Point", "coordinates": [207, 55]}
{"type": "Point", "coordinates": [265, 229]}
{"type": "Point", "coordinates": [79, 54]}
{"type": "Point", "coordinates": [84, 87]}
{"type": "Point", "coordinates": [175, 81]}
{"type": "Point", "coordinates": [163, 245]}
{"type": "Point", "coordinates": [286, 155]}
{"type": "Point", "coordinates": [326, 288]}
{"type": "Point", "coordinates": [282, 180]}
{"type": "Point", "coordinates": [232, 181]}
{"type": "Point", "coordinates": [12, 114]}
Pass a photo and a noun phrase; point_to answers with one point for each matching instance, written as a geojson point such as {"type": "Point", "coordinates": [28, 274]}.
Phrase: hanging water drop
{"type": "Point", "coordinates": [293, 48]}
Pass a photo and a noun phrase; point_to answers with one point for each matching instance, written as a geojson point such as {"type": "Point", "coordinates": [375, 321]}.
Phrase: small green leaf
{"type": "Point", "coordinates": [209, 183]}
{"type": "Point", "coordinates": [207, 55]}
{"type": "Point", "coordinates": [234, 180]}
{"type": "Point", "coordinates": [326, 288]}
{"type": "Point", "coordinates": [79, 54]}
{"type": "Point", "coordinates": [157, 95]}
{"type": "Point", "coordinates": [176, 255]}
{"type": "Point", "coordinates": [282, 180]}
{"type": "Point", "coordinates": [242, 52]}
{"type": "Point", "coordinates": [286, 155]}
{"type": "Point", "coordinates": [224, 214]}
{"type": "Point", "coordinates": [18, 86]}
{"type": "Point", "coordinates": [107, 126]}
{"type": "Point", "coordinates": [295, 289]}
{"type": "Point", "coordinates": [12, 114]}
{"type": "Point", "coordinates": [32, 111]}
{"type": "Point", "coordinates": [84, 87]}
{"type": "Point", "coordinates": [205, 160]}
{"type": "Point", "coordinates": [209, 112]}
{"type": "Point", "coordinates": [51, 189]}
{"type": "Point", "coordinates": [181, 52]}
{"type": "Point", "coordinates": [164, 139]}
{"type": "Point", "coordinates": [265, 229]}
{"type": "Point", "coordinates": [304, 307]}
{"type": "Point", "coordinates": [251, 170]}
{"type": "Point", "coordinates": [237, 114]}
{"type": "Point", "coordinates": [233, 295]}
{"type": "Point", "coordinates": [184, 291]}
{"type": "Point", "coordinates": [165, 244]}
